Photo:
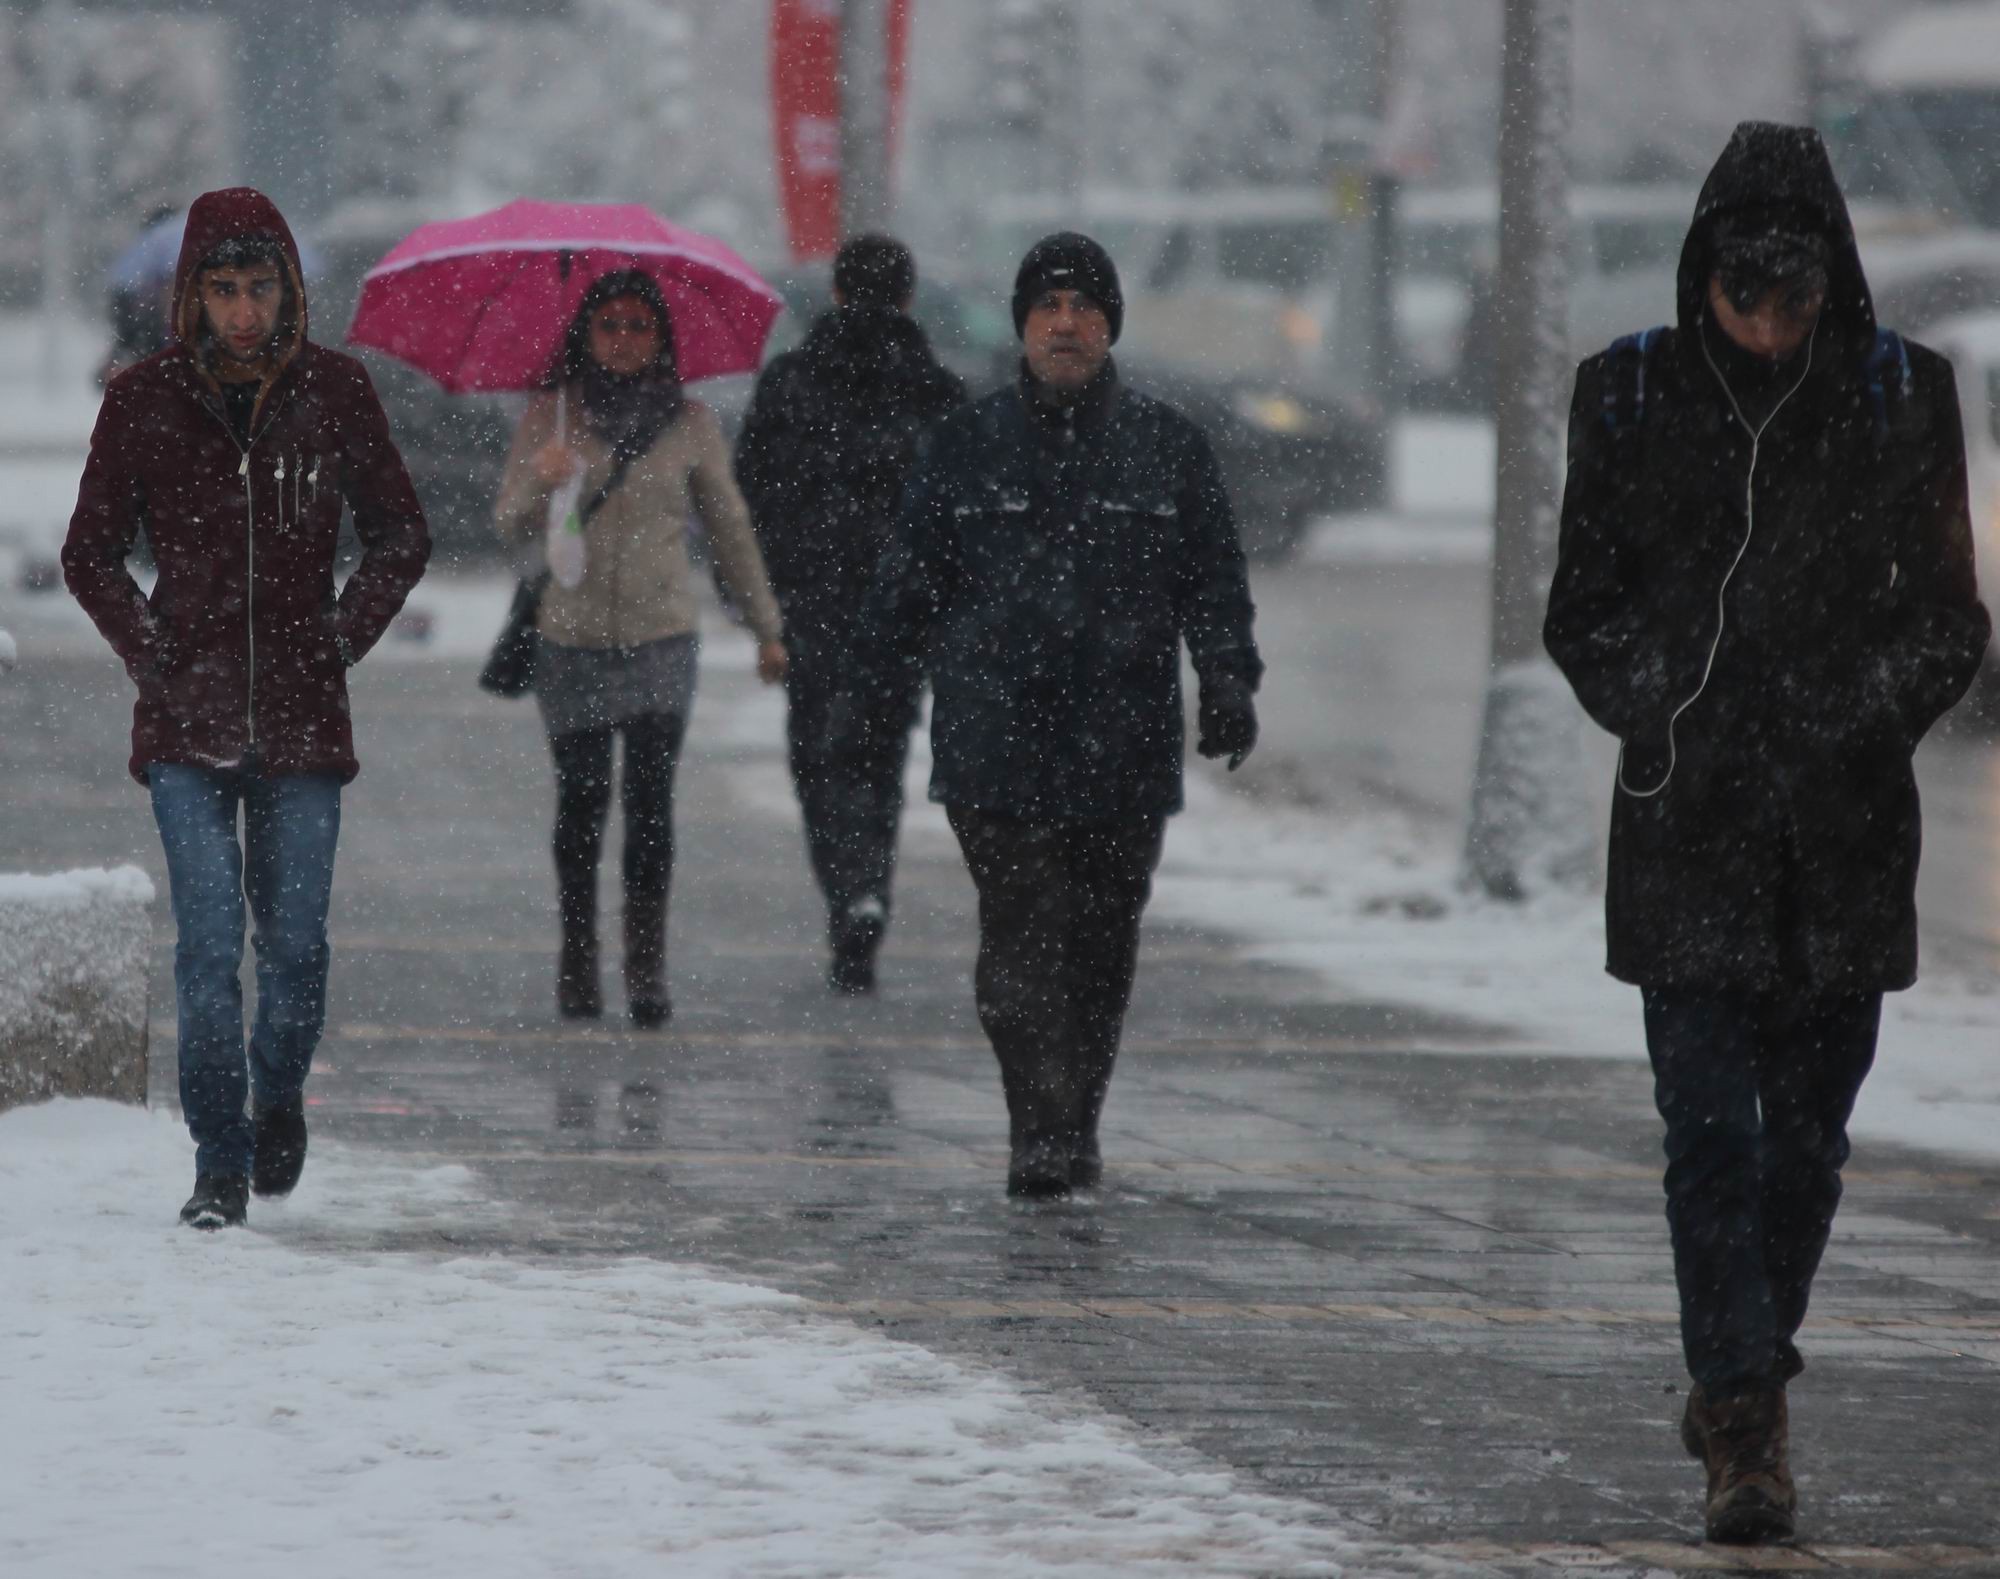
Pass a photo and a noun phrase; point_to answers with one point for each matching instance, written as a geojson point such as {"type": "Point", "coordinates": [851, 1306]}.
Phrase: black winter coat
{"type": "Point", "coordinates": [1044, 571]}
{"type": "Point", "coordinates": [831, 436]}
{"type": "Point", "coordinates": [1781, 853]}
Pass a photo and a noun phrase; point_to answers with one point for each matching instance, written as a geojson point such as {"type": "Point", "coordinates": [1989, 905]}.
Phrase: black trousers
{"type": "Point", "coordinates": [1756, 1093]}
{"type": "Point", "coordinates": [583, 805]}
{"type": "Point", "coordinates": [852, 801]}
{"type": "Point", "coordinates": [1059, 909]}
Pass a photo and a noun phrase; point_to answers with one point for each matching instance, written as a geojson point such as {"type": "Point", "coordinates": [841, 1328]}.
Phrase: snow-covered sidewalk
{"type": "Point", "coordinates": [1369, 904]}
{"type": "Point", "coordinates": [1367, 901]}
{"type": "Point", "coordinates": [289, 1401]}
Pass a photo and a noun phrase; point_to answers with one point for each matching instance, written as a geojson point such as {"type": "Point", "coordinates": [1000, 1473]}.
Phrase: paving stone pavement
{"type": "Point", "coordinates": [1396, 1266]}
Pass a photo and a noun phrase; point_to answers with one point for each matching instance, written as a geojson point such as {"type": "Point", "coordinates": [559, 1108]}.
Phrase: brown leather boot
{"type": "Point", "coordinates": [1745, 1442]}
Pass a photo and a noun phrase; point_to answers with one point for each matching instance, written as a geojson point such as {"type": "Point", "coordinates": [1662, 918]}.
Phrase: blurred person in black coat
{"type": "Point", "coordinates": [833, 430]}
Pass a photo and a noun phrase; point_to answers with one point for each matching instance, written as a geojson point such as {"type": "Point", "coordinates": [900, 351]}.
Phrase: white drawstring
{"type": "Point", "coordinates": [1749, 530]}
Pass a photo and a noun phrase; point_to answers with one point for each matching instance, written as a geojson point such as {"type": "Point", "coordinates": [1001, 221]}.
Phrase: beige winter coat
{"type": "Point", "coordinates": [638, 584]}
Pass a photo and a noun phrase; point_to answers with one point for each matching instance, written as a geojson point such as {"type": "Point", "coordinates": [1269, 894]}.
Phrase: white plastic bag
{"type": "Point", "coordinates": [565, 534]}
{"type": "Point", "coordinates": [563, 539]}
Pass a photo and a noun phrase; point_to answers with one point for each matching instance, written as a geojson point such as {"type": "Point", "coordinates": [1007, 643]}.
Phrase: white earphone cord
{"type": "Point", "coordinates": [1749, 530]}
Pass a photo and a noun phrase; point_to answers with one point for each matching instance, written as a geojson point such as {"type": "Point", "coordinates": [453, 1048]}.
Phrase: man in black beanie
{"type": "Point", "coordinates": [1056, 545]}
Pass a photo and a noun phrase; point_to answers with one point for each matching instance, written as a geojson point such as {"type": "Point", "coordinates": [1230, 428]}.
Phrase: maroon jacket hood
{"type": "Point", "coordinates": [230, 214]}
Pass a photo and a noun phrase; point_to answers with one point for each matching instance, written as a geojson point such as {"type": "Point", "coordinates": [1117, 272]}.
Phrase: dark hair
{"type": "Point", "coordinates": [242, 252]}
{"type": "Point", "coordinates": [573, 359]}
{"type": "Point", "coordinates": [875, 271]}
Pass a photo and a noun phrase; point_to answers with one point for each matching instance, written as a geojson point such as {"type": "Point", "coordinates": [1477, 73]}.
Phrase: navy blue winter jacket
{"type": "Point", "coordinates": [1044, 571]}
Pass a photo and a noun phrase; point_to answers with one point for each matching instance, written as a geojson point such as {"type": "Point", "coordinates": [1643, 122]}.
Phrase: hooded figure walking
{"type": "Point", "coordinates": [1765, 591]}
{"type": "Point", "coordinates": [830, 439]}
{"type": "Point", "coordinates": [234, 450]}
{"type": "Point", "coordinates": [1058, 543]}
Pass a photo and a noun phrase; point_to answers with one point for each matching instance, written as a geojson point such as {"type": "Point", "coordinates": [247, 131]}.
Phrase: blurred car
{"type": "Point", "coordinates": [454, 445]}
{"type": "Point", "coordinates": [1920, 275]}
{"type": "Point", "coordinates": [1625, 244]}
{"type": "Point", "coordinates": [1287, 455]}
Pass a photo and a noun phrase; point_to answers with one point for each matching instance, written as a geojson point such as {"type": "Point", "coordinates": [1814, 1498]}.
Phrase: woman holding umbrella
{"type": "Point", "coordinates": [617, 634]}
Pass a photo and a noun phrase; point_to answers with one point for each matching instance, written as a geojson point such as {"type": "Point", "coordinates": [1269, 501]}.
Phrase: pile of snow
{"type": "Point", "coordinates": [74, 955]}
{"type": "Point", "coordinates": [291, 1399]}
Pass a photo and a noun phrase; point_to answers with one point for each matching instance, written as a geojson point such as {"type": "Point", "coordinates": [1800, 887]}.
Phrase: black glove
{"type": "Point", "coordinates": [1227, 719]}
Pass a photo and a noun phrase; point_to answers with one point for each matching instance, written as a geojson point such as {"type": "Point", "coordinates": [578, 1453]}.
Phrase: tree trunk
{"type": "Point", "coordinates": [866, 201]}
{"type": "Point", "coordinates": [1529, 829]}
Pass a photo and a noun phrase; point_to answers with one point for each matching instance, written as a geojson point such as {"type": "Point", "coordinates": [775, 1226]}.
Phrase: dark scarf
{"type": "Point", "coordinates": [629, 413]}
{"type": "Point", "coordinates": [1757, 382]}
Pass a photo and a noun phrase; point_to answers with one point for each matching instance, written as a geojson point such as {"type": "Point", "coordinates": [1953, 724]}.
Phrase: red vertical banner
{"type": "Point", "coordinates": [805, 114]}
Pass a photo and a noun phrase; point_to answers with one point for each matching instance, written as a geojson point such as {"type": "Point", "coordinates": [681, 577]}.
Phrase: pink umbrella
{"type": "Point", "coordinates": [480, 303]}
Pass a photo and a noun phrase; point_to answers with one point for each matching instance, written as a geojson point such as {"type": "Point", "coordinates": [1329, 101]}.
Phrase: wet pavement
{"type": "Point", "coordinates": [1370, 1259]}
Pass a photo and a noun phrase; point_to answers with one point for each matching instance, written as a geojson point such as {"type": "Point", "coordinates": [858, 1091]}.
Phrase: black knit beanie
{"type": "Point", "coordinates": [1068, 261]}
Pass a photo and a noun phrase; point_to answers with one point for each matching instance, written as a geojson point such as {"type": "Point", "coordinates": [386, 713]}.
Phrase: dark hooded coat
{"type": "Point", "coordinates": [242, 642]}
{"type": "Point", "coordinates": [830, 439]}
{"type": "Point", "coordinates": [1045, 570]}
{"type": "Point", "coordinates": [1781, 855]}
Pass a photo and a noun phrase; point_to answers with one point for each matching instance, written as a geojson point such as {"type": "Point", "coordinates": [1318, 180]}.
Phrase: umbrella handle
{"type": "Point", "coordinates": [562, 413]}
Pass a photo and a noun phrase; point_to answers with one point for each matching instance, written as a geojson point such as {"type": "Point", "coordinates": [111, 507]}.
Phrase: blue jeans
{"type": "Point", "coordinates": [284, 865]}
{"type": "Point", "coordinates": [1756, 1093]}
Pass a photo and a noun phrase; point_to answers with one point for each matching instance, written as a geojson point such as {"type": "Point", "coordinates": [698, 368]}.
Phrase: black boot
{"type": "Point", "coordinates": [1086, 1163]}
{"type": "Point", "coordinates": [219, 1201]}
{"type": "Point", "coordinates": [281, 1147]}
{"type": "Point", "coordinates": [646, 960]}
{"type": "Point", "coordinates": [578, 994]}
{"type": "Point", "coordinates": [1086, 1168]}
{"type": "Point", "coordinates": [1039, 1164]}
{"type": "Point", "coordinates": [857, 936]}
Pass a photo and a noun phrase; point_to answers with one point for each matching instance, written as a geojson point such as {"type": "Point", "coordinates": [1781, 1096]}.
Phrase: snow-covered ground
{"type": "Point", "coordinates": [1371, 906]}
{"type": "Point", "coordinates": [281, 1401]}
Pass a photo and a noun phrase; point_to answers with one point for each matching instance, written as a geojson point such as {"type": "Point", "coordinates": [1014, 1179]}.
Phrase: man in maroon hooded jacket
{"type": "Point", "coordinates": [234, 451]}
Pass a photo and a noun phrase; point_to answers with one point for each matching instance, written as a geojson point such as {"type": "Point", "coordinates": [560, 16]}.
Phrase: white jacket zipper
{"type": "Point", "coordinates": [249, 599]}
{"type": "Point", "coordinates": [250, 557]}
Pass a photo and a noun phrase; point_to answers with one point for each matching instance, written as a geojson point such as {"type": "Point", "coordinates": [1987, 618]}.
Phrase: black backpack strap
{"type": "Point", "coordinates": [607, 488]}
{"type": "Point", "coordinates": [1625, 392]}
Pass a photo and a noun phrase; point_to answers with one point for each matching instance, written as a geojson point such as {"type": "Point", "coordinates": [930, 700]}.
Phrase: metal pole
{"type": "Point", "coordinates": [1529, 827]}
{"type": "Point", "coordinates": [1384, 354]}
{"type": "Point", "coordinates": [866, 202]}
{"type": "Point", "coordinates": [1532, 306]}
{"type": "Point", "coordinates": [60, 189]}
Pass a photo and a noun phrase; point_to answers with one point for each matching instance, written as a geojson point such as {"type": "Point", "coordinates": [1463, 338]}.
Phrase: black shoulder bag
{"type": "Point", "coordinates": [510, 667]}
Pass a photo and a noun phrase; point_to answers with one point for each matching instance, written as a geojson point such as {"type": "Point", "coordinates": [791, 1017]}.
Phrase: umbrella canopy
{"type": "Point", "coordinates": [482, 303]}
